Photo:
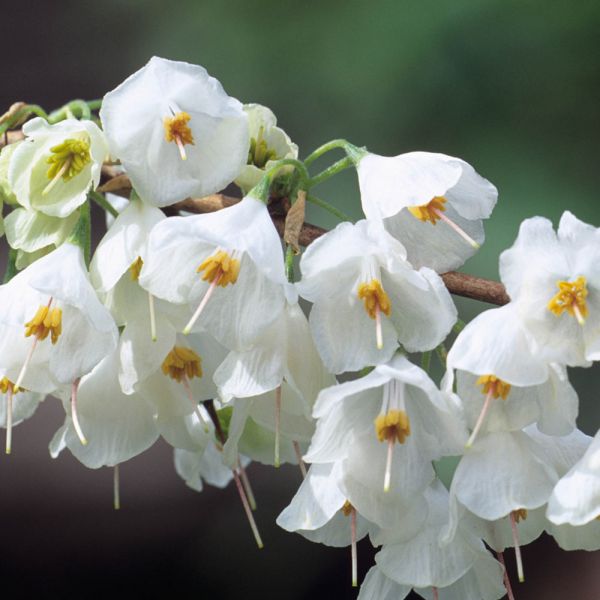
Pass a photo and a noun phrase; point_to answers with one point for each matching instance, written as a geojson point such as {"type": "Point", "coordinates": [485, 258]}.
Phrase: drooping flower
{"type": "Point", "coordinates": [53, 328]}
{"type": "Point", "coordinates": [176, 131]}
{"type": "Point", "coordinates": [229, 264]}
{"type": "Point", "coordinates": [386, 428]}
{"type": "Point", "coordinates": [53, 169]}
{"type": "Point", "coordinates": [554, 281]}
{"type": "Point", "coordinates": [433, 203]}
{"type": "Point", "coordinates": [367, 298]}
{"type": "Point", "coordinates": [267, 144]}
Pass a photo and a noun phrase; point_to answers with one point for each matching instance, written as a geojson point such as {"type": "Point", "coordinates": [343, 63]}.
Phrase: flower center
{"type": "Point", "coordinates": [220, 268]}
{"type": "Point", "coordinates": [392, 426]}
{"type": "Point", "coordinates": [375, 298]}
{"type": "Point", "coordinates": [6, 385]}
{"type": "Point", "coordinates": [135, 268]}
{"type": "Point", "coordinates": [45, 321]}
{"type": "Point", "coordinates": [260, 154]}
{"type": "Point", "coordinates": [182, 362]}
{"type": "Point", "coordinates": [570, 297]}
{"type": "Point", "coordinates": [67, 160]}
{"type": "Point", "coordinates": [519, 515]}
{"type": "Point", "coordinates": [347, 508]}
{"type": "Point", "coordinates": [430, 211]}
{"type": "Point", "coordinates": [177, 130]}
{"type": "Point", "coordinates": [493, 386]}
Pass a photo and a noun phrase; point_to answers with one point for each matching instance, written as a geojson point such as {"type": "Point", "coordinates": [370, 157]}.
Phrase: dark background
{"type": "Point", "coordinates": [510, 86]}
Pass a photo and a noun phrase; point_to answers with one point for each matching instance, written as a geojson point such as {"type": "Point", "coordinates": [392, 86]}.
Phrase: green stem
{"type": "Point", "coordinates": [332, 145]}
{"type": "Point", "coordinates": [328, 207]}
{"type": "Point", "coordinates": [442, 354]}
{"type": "Point", "coordinates": [103, 203]}
{"type": "Point", "coordinates": [289, 263]}
{"type": "Point", "coordinates": [459, 326]}
{"type": "Point", "coordinates": [94, 104]}
{"type": "Point", "coordinates": [426, 361]}
{"type": "Point", "coordinates": [297, 164]}
{"type": "Point", "coordinates": [11, 266]}
{"type": "Point", "coordinates": [81, 234]}
{"type": "Point", "coordinates": [334, 169]}
{"type": "Point", "coordinates": [21, 114]}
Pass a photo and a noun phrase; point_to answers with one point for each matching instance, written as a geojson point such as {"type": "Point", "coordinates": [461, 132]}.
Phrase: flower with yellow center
{"type": "Point", "coordinates": [376, 302]}
{"type": "Point", "coordinates": [178, 131]}
{"type": "Point", "coordinates": [45, 321]}
{"type": "Point", "coordinates": [135, 268]}
{"type": "Point", "coordinates": [413, 191]}
{"type": "Point", "coordinates": [54, 170]}
{"type": "Point", "coordinates": [493, 386]}
{"type": "Point", "coordinates": [167, 103]}
{"type": "Point", "coordinates": [571, 298]}
{"type": "Point", "coordinates": [220, 268]}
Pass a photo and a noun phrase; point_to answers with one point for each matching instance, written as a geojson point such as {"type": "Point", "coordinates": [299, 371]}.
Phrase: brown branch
{"type": "Point", "coordinates": [10, 137]}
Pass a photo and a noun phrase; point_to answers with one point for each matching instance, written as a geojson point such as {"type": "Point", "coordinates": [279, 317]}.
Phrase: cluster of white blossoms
{"type": "Point", "coordinates": [188, 327]}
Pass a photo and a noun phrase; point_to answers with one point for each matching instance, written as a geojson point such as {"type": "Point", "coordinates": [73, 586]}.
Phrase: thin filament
{"type": "Point", "coordinates": [353, 548]}
{"type": "Point", "coordinates": [515, 534]}
{"type": "Point", "coordinates": [116, 488]}
{"type": "Point", "coordinates": [9, 418]}
{"type": "Point", "coordinates": [74, 417]}
{"type": "Point", "coordinates": [203, 302]}
{"type": "Point", "coordinates": [456, 228]}
{"type": "Point", "coordinates": [486, 407]}
{"type": "Point", "coordinates": [301, 463]}
{"type": "Point", "coordinates": [277, 425]}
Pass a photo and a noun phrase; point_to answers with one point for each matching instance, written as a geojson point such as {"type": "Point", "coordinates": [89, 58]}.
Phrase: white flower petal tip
{"type": "Point", "coordinates": [195, 136]}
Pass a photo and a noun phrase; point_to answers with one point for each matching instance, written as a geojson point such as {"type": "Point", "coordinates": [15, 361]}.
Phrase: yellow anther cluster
{"type": "Point", "coordinates": [220, 267]}
{"type": "Point", "coordinates": [7, 385]}
{"type": "Point", "coordinates": [177, 130]}
{"type": "Point", "coordinates": [182, 363]}
{"type": "Point", "coordinates": [135, 267]}
{"type": "Point", "coordinates": [347, 508]}
{"type": "Point", "coordinates": [260, 154]}
{"type": "Point", "coordinates": [68, 159]}
{"type": "Point", "coordinates": [374, 297]}
{"type": "Point", "coordinates": [570, 297]}
{"type": "Point", "coordinates": [520, 514]}
{"type": "Point", "coordinates": [392, 426]}
{"type": "Point", "coordinates": [429, 211]}
{"type": "Point", "coordinates": [494, 385]}
{"type": "Point", "coordinates": [46, 321]}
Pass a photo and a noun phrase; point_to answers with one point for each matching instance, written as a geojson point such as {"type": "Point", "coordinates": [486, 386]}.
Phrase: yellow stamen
{"type": "Point", "coordinates": [135, 268]}
{"type": "Point", "coordinates": [220, 266]}
{"type": "Point", "coordinates": [520, 514]}
{"type": "Point", "coordinates": [375, 298]}
{"type": "Point", "coordinates": [494, 386]}
{"type": "Point", "coordinates": [67, 160]}
{"type": "Point", "coordinates": [45, 321]}
{"type": "Point", "coordinates": [392, 426]}
{"type": "Point", "coordinates": [177, 130]}
{"type": "Point", "coordinates": [571, 298]}
{"type": "Point", "coordinates": [182, 364]}
{"type": "Point", "coordinates": [430, 211]}
{"type": "Point", "coordinates": [7, 385]}
{"type": "Point", "coordinates": [347, 508]}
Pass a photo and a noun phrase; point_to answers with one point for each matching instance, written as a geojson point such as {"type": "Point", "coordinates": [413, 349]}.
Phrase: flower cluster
{"type": "Point", "coordinates": [188, 327]}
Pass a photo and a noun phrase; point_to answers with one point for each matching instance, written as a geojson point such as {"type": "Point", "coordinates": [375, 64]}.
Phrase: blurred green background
{"type": "Point", "coordinates": [510, 86]}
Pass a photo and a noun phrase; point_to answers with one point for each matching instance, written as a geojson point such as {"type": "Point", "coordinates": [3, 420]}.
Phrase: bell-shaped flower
{"type": "Point", "coordinates": [53, 169]}
{"type": "Point", "coordinates": [284, 352]}
{"type": "Point", "coordinates": [176, 131]}
{"type": "Point", "coordinates": [502, 384]}
{"type": "Point", "coordinates": [268, 143]}
{"type": "Point", "coordinates": [228, 263]}
{"type": "Point", "coordinates": [554, 280]}
{"type": "Point", "coordinates": [576, 497]}
{"type": "Point", "coordinates": [206, 466]}
{"type": "Point", "coordinates": [433, 203]}
{"type": "Point", "coordinates": [367, 298]}
{"type": "Point", "coordinates": [423, 563]}
{"type": "Point", "coordinates": [53, 327]}
{"type": "Point", "coordinates": [117, 427]}
{"type": "Point", "coordinates": [386, 428]}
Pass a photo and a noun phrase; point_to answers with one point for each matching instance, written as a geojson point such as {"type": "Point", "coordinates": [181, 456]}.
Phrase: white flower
{"type": "Point", "coordinates": [55, 167]}
{"type": "Point", "coordinates": [432, 203]}
{"type": "Point", "coordinates": [359, 423]}
{"type": "Point", "coordinates": [229, 262]}
{"type": "Point", "coordinates": [576, 497]}
{"type": "Point", "coordinates": [555, 283]}
{"type": "Point", "coordinates": [367, 297]}
{"type": "Point", "coordinates": [117, 427]}
{"type": "Point", "coordinates": [53, 328]}
{"type": "Point", "coordinates": [176, 131]}
{"type": "Point", "coordinates": [502, 384]}
{"type": "Point", "coordinates": [267, 144]}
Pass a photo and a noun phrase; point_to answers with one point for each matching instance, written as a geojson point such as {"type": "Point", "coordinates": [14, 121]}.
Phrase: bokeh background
{"type": "Point", "coordinates": [511, 86]}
